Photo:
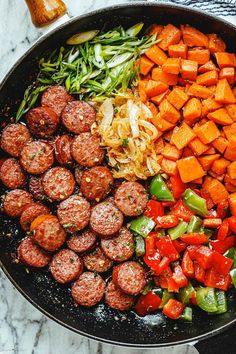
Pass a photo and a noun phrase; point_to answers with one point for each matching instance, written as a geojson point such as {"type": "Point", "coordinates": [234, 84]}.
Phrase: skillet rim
{"type": "Point", "coordinates": [43, 38]}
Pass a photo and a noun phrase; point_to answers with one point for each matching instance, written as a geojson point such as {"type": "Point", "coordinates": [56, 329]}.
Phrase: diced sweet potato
{"type": "Point", "coordinates": [220, 165]}
{"type": "Point", "coordinates": [177, 98]}
{"type": "Point", "coordinates": [178, 51]}
{"type": "Point", "coordinates": [209, 66]}
{"type": "Point", "coordinates": [230, 130]}
{"type": "Point", "coordinates": [209, 105]}
{"type": "Point", "coordinates": [220, 144]}
{"type": "Point", "coordinates": [182, 136]}
{"type": "Point", "coordinates": [169, 112]}
{"type": "Point", "coordinates": [215, 189]}
{"type": "Point", "coordinates": [171, 152]}
{"type": "Point", "coordinates": [230, 152]}
{"type": "Point", "coordinates": [189, 169]}
{"type": "Point", "coordinates": [207, 161]}
{"type": "Point", "coordinates": [207, 79]}
{"type": "Point", "coordinates": [157, 55]}
{"type": "Point", "coordinates": [193, 37]}
{"type": "Point", "coordinates": [216, 44]}
{"type": "Point", "coordinates": [232, 170]}
{"type": "Point", "coordinates": [192, 110]}
{"type": "Point", "coordinates": [159, 75]}
{"type": "Point", "coordinates": [145, 65]}
{"type": "Point", "coordinates": [232, 203]}
{"type": "Point", "coordinates": [224, 93]}
{"type": "Point", "coordinates": [169, 35]}
{"type": "Point", "coordinates": [220, 116]}
{"type": "Point", "coordinates": [171, 66]}
{"type": "Point", "coordinates": [231, 109]}
{"type": "Point", "coordinates": [197, 146]}
{"type": "Point", "coordinates": [200, 55]}
{"type": "Point", "coordinates": [169, 167]}
{"type": "Point", "coordinates": [225, 59]}
{"type": "Point", "coordinates": [154, 88]}
{"type": "Point", "coordinates": [207, 132]}
{"type": "Point", "coordinates": [188, 69]}
{"type": "Point", "coordinates": [229, 74]}
{"type": "Point", "coordinates": [199, 91]}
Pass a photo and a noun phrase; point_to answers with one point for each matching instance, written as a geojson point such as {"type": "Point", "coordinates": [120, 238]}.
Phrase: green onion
{"type": "Point", "coordinates": [82, 37]}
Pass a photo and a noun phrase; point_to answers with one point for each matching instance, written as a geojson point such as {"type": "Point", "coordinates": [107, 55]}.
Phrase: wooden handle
{"type": "Point", "coordinates": [44, 12]}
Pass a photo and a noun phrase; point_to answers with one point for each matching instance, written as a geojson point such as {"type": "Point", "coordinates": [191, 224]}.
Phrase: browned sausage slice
{"type": "Point", "coordinates": [119, 248]}
{"type": "Point", "coordinates": [130, 277]}
{"type": "Point", "coordinates": [78, 174]}
{"type": "Point", "coordinates": [82, 242]}
{"type": "Point", "coordinates": [15, 202]}
{"type": "Point", "coordinates": [58, 183]}
{"type": "Point", "coordinates": [66, 266]}
{"type": "Point", "coordinates": [78, 116]}
{"type": "Point", "coordinates": [42, 121]}
{"type": "Point", "coordinates": [89, 289]}
{"type": "Point", "coordinates": [56, 98]}
{"type": "Point", "coordinates": [97, 261]}
{"type": "Point", "coordinates": [73, 213]}
{"type": "Point", "coordinates": [63, 150]}
{"type": "Point", "coordinates": [96, 183]}
{"type": "Point", "coordinates": [86, 150]}
{"type": "Point", "coordinates": [131, 198]}
{"type": "Point", "coordinates": [37, 157]}
{"type": "Point", "coordinates": [31, 212]}
{"type": "Point", "coordinates": [14, 137]}
{"type": "Point", "coordinates": [116, 299]}
{"type": "Point", "coordinates": [48, 233]}
{"type": "Point", "coordinates": [36, 188]}
{"type": "Point", "coordinates": [106, 219]}
{"type": "Point", "coordinates": [31, 254]}
{"type": "Point", "coordinates": [11, 174]}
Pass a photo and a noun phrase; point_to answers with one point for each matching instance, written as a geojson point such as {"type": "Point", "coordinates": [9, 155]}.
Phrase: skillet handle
{"type": "Point", "coordinates": [43, 12]}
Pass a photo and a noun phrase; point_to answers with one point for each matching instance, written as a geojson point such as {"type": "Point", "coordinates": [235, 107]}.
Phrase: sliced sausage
{"type": "Point", "coordinates": [82, 242]}
{"type": "Point", "coordinates": [31, 212]}
{"type": "Point", "coordinates": [11, 174]}
{"type": "Point", "coordinates": [37, 157]}
{"type": "Point", "coordinates": [63, 150]}
{"type": "Point", "coordinates": [96, 183]}
{"type": "Point", "coordinates": [131, 198]}
{"type": "Point", "coordinates": [74, 213]}
{"type": "Point", "coordinates": [58, 183]}
{"type": "Point", "coordinates": [31, 254]}
{"type": "Point", "coordinates": [47, 232]}
{"type": "Point", "coordinates": [36, 188]}
{"type": "Point", "coordinates": [56, 98]}
{"type": "Point", "coordinates": [106, 219]}
{"type": "Point", "coordinates": [78, 116]}
{"type": "Point", "coordinates": [42, 121]}
{"type": "Point", "coordinates": [89, 289]}
{"type": "Point", "coordinates": [66, 266]}
{"type": "Point", "coordinates": [14, 137]}
{"type": "Point", "coordinates": [15, 202]}
{"type": "Point", "coordinates": [86, 150]}
{"type": "Point", "coordinates": [97, 261]}
{"type": "Point", "coordinates": [130, 277]}
{"type": "Point", "coordinates": [119, 248]}
{"type": "Point", "coordinates": [116, 299]}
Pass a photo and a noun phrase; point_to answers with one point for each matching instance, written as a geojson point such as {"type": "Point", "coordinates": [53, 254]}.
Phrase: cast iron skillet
{"type": "Point", "coordinates": [52, 299]}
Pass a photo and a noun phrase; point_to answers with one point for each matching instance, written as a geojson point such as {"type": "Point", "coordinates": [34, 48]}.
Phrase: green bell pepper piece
{"type": "Point", "coordinates": [206, 299]}
{"type": "Point", "coordinates": [178, 230]}
{"type": "Point", "coordinates": [205, 231]}
{"type": "Point", "coordinates": [187, 314]}
{"type": "Point", "coordinates": [231, 253]}
{"type": "Point", "coordinates": [142, 225]}
{"type": "Point", "coordinates": [139, 246]}
{"type": "Point", "coordinates": [148, 287]}
{"type": "Point", "coordinates": [186, 293]}
{"type": "Point", "coordinates": [233, 276]}
{"type": "Point", "coordinates": [159, 189]}
{"type": "Point", "coordinates": [194, 225]}
{"type": "Point", "coordinates": [165, 298]}
{"type": "Point", "coordinates": [221, 303]}
{"type": "Point", "coordinates": [195, 202]}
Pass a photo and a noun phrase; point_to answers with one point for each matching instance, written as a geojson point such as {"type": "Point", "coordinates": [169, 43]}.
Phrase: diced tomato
{"type": "Point", "coordinates": [212, 223]}
{"type": "Point", "coordinates": [194, 238]}
{"type": "Point", "coordinates": [177, 186]}
{"type": "Point", "coordinates": [166, 248]}
{"type": "Point", "coordinates": [181, 211]}
{"type": "Point", "coordinates": [221, 263]}
{"type": "Point", "coordinates": [147, 304]}
{"type": "Point", "coordinates": [167, 221]}
{"type": "Point", "coordinates": [153, 260]}
{"type": "Point", "coordinates": [223, 230]}
{"type": "Point", "coordinates": [173, 309]}
{"type": "Point", "coordinates": [216, 280]}
{"type": "Point", "coordinates": [154, 209]}
{"type": "Point", "coordinates": [162, 266]}
{"type": "Point", "coordinates": [222, 208]}
{"type": "Point", "coordinates": [150, 243]}
{"type": "Point", "coordinates": [179, 277]}
{"type": "Point", "coordinates": [223, 246]}
{"type": "Point", "coordinates": [173, 287]}
{"type": "Point", "coordinates": [179, 245]}
{"type": "Point", "coordinates": [232, 223]}
{"type": "Point", "coordinates": [187, 265]}
{"type": "Point", "coordinates": [199, 272]}
{"type": "Point", "coordinates": [202, 254]}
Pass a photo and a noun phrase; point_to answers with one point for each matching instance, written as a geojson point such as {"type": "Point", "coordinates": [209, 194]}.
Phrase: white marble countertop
{"type": "Point", "coordinates": [23, 329]}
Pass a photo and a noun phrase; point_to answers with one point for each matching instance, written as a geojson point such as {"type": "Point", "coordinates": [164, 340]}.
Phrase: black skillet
{"type": "Point", "coordinates": [52, 299]}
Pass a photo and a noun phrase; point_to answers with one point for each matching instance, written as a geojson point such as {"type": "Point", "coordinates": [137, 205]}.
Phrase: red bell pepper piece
{"type": "Point", "coordinates": [152, 260]}
{"type": "Point", "coordinates": [179, 277]}
{"type": "Point", "coordinates": [232, 223]}
{"type": "Point", "coordinates": [194, 238]}
{"type": "Point", "coordinates": [199, 272]}
{"type": "Point", "coordinates": [187, 265]}
{"type": "Point", "coordinates": [173, 309]}
{"type": "Point", "coordinates": [201, 254]}
{"type": "Point", "coordinates": [222, 208]}
{"type": "Point", "coordinates": [193, 298]}
{"type": "Point", "coordinates": [167, 204]}
{"type": "Point", "coordinates": [216, 280]}
{"type": "Point", "coordinates": [167, 221]}
{"type": "Point", "coordinates": [154, 209]}
{"type": "Point", "coordinates": [223, 246]}
{"type": "Point", "coordinates": [209, 201]}
{"type": "Point", "coordinates": [212, 223]}
{"type": "Point", "coordinates": [177, 186]}
{"type": "Point", "coordinates": [223, 230]}
{"type": "Point", "coordinates": [179, 245]}
{"type": "Point", "coordinates": [173, 287]}
{"type": "Point", "coordinates": [164, 277]}
{"type": "Point", "coordinates": [162, 266]}
{"type": "Point", "coordinates": [166, 248]}
{"type": "Point", "coordinates": [147, 304]}
{"type": "Point", "coordinates": [150, 242]}
{"type": "Point", "coordinates": [221, 263]}
{"type": "Point", "coordinates": [181, 211]}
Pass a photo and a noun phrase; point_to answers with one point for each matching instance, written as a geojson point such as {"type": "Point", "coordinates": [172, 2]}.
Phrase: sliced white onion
{"type": "Point", "coordinates": [133, 114]}
{"type": "Point", "coordinates": [107, 112]}
{"type": "Point", "coordinates": [149, 126]}
{"type": "Point", "coordinates": [147, 111]}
